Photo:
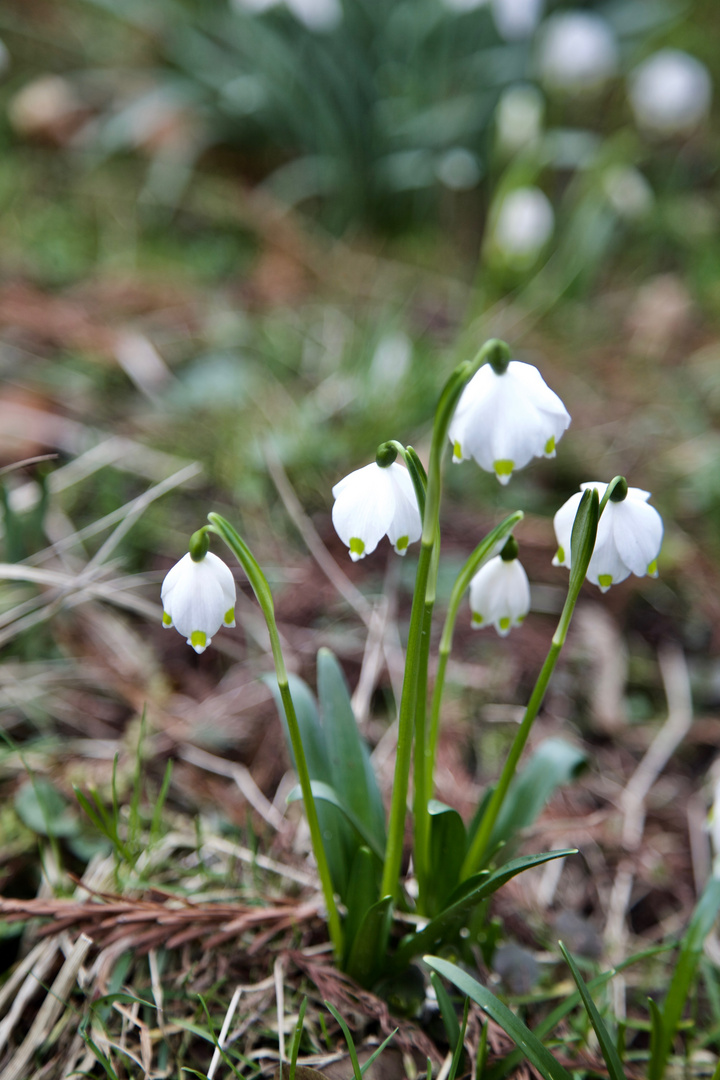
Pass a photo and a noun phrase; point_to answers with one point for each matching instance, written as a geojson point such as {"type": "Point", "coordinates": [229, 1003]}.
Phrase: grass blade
{"type": "Point", "coordinates": [607, 1046]}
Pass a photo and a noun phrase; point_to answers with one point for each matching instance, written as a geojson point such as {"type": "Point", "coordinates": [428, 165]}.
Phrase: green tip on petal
{"type": "Point", "coordinates": [504, 623]}
{"type": "Point", "coordinates": [604, 581]}
{"type": "Point", "coordinates": [653, 568]}
{"type": "Point", "coordinates": [167, 620]}
{"type": "Point", "coordinates": [401, 545]}
{"type": "Point", "coordinates": [457, 451]}
{"type": "Point", "coordinates": [198, 640]}
{"type": "Point", "coordinates": [229, 618]}
{"type": "Point", "coordinates": [357, 547]}
{"type": "Point", "coordinates": [560, 555]}
{"type": "Point", "coordinates": [503, 469]}
{"type": "Point", "coordinates": [550, 447]}
{"type": "Point", "coordinates": [477, 620]}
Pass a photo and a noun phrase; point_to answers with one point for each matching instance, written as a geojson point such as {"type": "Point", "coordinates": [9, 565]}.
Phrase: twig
{"type": "Point", "coordinates": [242, 777]}
{"type": "Point", "coordinates": [280, 999]}
{"type": "Point", "coordinates": [217, 1054]}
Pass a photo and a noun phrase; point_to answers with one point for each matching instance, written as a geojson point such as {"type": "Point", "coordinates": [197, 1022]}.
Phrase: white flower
{"type": "Point", "coordinates": [373, 501]}
{"type": "Point", "coordinates": [629, 537]}
{"type": "Point", "coordinates": [518, 117]}
{"type": "Point", "coordinates": [670, 92]}
{"type": "Point", "coordinates": [317, 15]}
{"type": "Point", "coordinates": [523, 225]}
{"type": "Point", "coordinates": [503, 421]}
{"type": "Point", "coordinates": [627, 191]}
{"type": "Point", "coordinates": [198, 598]}
{"type": "Point", "coordinates": [578, 51]}
{"type": "Point", "coordinates": [517, 19]}
{"type": "Point", "coordinates": [499, 595]}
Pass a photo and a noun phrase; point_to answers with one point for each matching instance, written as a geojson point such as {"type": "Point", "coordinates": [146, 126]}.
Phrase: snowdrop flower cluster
{"type": "Point", "coordinates": [524, 224]}
{"type": "Point", "coordinates": [670, 92]}
{"type": "Point", "coordinates": [500, 592]}
{"type": "Point", "coordinates": [506, 418]}
{"type": "Point", "coordinates": [578, 51]}
{"type": "Point", "coordinates": [198, 597]}
{"type": "Point", "coordinates": [629, 535]}
{"type": "Point", "coordinates": [373, 502]}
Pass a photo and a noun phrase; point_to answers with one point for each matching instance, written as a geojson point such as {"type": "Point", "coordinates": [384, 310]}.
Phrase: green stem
{"type": "Point", "coordinates": [415, 681]}
{"type": "Point", "coordinates": [263, 595]}
{"type": "Point", "coordinates": [421, 840]}
{"type": "Point", "coordinates": [582, 545]}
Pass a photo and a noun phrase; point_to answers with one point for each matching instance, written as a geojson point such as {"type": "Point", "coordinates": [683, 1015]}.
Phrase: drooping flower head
{"type": "Point", "coordinates": [198, 597]}
{"type": "Point", "coordinates": [373, 502]}
{"type": "Point", "coordinates": [506, 416]}
{"type": "Point", "coordinates": [500, 592]}
{"type": "Point", "coordinates": [629, 535]}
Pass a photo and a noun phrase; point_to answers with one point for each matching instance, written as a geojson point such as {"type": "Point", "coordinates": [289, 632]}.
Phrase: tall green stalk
{"type": "Point", "coordinates": [260, 587]}
{"type": "Point", "coordinates": [415, 680]}
{"type": "Point", "coordinates": [583, 542]}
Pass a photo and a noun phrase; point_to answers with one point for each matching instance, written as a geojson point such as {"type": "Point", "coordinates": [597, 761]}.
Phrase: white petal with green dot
{"type": "Point", "coordinates": [504, 421]}
{"type": "Point", "coordinates": [499, 595]}
{"type": "Point", "coordinates": [198, 598]}
{"type": "Point", "coordinates": [373, 502]}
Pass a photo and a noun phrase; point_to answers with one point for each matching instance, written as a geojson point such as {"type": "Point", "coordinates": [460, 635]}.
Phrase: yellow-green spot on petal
{"type": "Point", "coordinates": [550, 446]}
{"type": "Point", "coordinates": [402, 543]}
{"type": "Point", "coordinates": [503, 467]}
{"type": "Point", "coordinates": [520, 620]}
{"type": "Point", "coordinates": [560, 555]}
{"type": "Point", "coordinates": [357, 546]}
{"type": "Point", "coordinates": [652, 568]}
{"type": "Point", "coordinates": [167, 621]}
{"type": "Point", "coordinates": [457, 451]}
{"type": "Point", "coordinates": [229, 618]}
{"type": "Point", "coordinates": [504, 623]}
{"type": "Point", "coordinates": [198, 639]}
{"type": "Point", "coordinates": [477, 620]}
{"type": "Point", "coordinates": [604, 581]}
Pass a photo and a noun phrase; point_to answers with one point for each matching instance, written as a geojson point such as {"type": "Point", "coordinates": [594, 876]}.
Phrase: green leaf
{"type": "Point", "coordinates": [448, 844]}
{"type": "Point", "coordinates": [582, 541]}
{"type": "Point", "coordinates": [537, 1054]}
{"type": "Point", "coordinates": [370, 944]}
{"type": "Point", "coordinates": [357, 1074]}
{"type": "Point", "coordinates": [329, 795]}
{"type": "Point", "coordinates": [555, 762]}
{"type": "Point", "coordinates": [363, 891]}
{"type": "Point", "coordinates": [447, 1010]}
{"type": "Point", "coordinates": [43, 809]}
{"type": "Point", "coordinates": [445, 926]}
{"type": "Point", "coordinates": [691, 947]}
{"type": "Point", "coordinates": [349, 760]}
{"type": "Point", "coordinates": [338, 839]}
{"type": "Point", "coordinates": [607, 1046]}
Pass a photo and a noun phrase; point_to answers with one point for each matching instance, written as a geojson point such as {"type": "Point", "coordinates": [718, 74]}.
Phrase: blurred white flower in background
{"type": "Point", "coordinates": [577, 51]}
{"type": "Point", "coordinates": [627, 191]}
{"type": "Point", "coordinates": [390, 362]}
{"type": "Point", "coordinates": [670, 92]}
{"type": "Point", "coordinates": [524, 224]}
{"type": "Point", "coordinates": [320, 15]}
{"type": "Point", "coordinates": [458, 169]}
{"type": "Point", "coordinates": [517, 19]}
{"type": "Point", "coordinates": [518, 118]}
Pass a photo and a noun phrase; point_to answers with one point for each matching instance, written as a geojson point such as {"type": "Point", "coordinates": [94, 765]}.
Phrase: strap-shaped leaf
{"type": "Point", "coordinates": [370, 945]}
{"type": "Point", "coordinates": [445, 926]}
{"type": "Point", "coordinates": [328, 794]}
{"type": "Point", "coordinates": [448, 844]}
{"type": "Point", "coordinates": [350, 767]}
{"type": "Point", "coordinates": [607, 1046]}
{"type": "Point", "coordinates": [363, 889]}
{"type": "Point", "coordinates": [537, 1054]}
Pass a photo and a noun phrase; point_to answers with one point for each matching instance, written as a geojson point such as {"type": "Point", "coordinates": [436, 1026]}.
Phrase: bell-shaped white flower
{"type": "Point", "coordinates": [505, 420]}
{"type": "Point", "coordinates": [500, 595]}
{"type": "Point", "coordinates": [372, 502]}
{"type": "Point", "coordinates": [198, 598]}
{"type": "Point", "coordinates": [629, 537]}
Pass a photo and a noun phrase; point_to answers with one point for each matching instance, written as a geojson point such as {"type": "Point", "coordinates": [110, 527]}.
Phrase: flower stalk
{"type": "Point", "coordinates": [263, 594]}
